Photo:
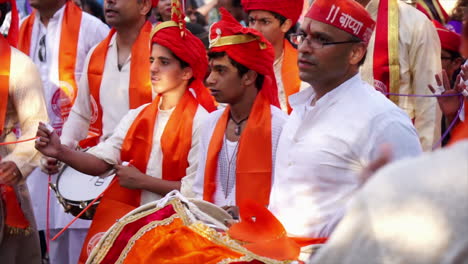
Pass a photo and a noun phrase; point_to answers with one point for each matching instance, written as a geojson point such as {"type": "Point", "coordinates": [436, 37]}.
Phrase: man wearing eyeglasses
{"type": "Point", "coordinates": [337, 125]}
{"type": "Point", "coordinates": [58, 36]}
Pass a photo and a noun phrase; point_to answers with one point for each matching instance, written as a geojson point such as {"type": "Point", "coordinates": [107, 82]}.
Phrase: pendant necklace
{"type": "Point", "coordinates": [237, 131]}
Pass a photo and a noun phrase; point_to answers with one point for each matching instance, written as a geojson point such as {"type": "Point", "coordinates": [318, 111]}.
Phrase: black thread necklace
{"type": "Point", "coordinates": [237, 131]}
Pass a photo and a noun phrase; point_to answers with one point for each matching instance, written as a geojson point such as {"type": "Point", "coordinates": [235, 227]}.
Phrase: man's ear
{"type": "Point", "coordinates": [249, 78]}
{"type": "Point", "coordinates": [187, 73]}
{"type": "Point", "coordinates": [287, 25]}
{"type": "Point", "coordinates": [357, 53]}
{"type": "Point", "coordinates": [146, 7]}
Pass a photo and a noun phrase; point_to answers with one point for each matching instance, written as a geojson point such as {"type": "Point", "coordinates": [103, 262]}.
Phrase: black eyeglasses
{"type": "Point", "coordinates": [42, 53]}
{"type": "Point", "coordinates": [316, 43]}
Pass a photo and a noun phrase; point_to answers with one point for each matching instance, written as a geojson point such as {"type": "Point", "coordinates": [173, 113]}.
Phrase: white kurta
{"type": "Point", "coordinates": [109, 150]}
{"type": "Point", "coordinates": [225, 193]}
{"type": "Point", "coordinates": [113, 96]}
{"type": "Point", "coordinates": [92, 31]}
{"type": "Point", "coordinates": [323, 148]}
{"type": "Point", "coordinates": [414, 211]}
{"type": "Point", "coordinates": [278, 68]}
{"type": "Point", "coordinates": [419, 56]}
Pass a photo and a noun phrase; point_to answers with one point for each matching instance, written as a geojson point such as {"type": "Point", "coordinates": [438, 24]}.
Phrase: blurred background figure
{"type": "Point", "coordinates": [92, 7]}
{"type": "Point", "coordinates": [455, 22]}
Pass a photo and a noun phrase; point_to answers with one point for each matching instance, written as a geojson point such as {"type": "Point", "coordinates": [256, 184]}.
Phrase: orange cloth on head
{"type": "Point", "coordinates": [449, 40]}
{"type": "Point", "coordinates": [15, 219]}
{"type": "Point", "coordinates": [68, 51]}
{"type": "Point", "coordinates": [290, 72]}
{"type": "Point", "coordinates": [287, 8]}
{"type": "Point", "coordinates": [139, 90]}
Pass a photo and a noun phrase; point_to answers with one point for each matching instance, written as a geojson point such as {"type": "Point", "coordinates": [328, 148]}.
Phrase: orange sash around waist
{"type": "Point", "coordinates": [254, 158]}
{"type": "Point", "coordinates": [139, 85]}
{"type": "Point", "coordinates": [68, 52]}
{"type": "Point", "coordinates": [290, 72]}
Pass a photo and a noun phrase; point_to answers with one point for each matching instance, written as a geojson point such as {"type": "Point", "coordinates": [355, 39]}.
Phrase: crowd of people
{"type": "Point", "coordinates": [345, 118]}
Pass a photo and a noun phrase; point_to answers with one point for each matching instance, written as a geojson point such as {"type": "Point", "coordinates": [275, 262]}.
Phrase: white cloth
{"type": "Point", "coordinates": [419, 57]}
{"type": "Point", "coordinates": [109, 150]}
{"type": "Point", "coordinates": [70, 242]}
{"type": "Point", "coordinates": [413, 211]}
{"type": "Point", "coordinates": [92, 31]}
{"type": "Point", "coordinates": [323, 149]}
{"type": "Point", "coordinates": [278, 119]}
{"type": "Point", "coordinates": [278, 68]}
{"type": "Point", "coordinates": [113, 96]}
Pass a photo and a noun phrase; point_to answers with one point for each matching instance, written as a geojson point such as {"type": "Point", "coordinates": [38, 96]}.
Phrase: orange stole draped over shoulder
{"type": "Point", "coordinates": [290, 72]}
{"type": "Point", "coordinates": [460, 132]}
{"type": "Point", "coordinates": [139, 85]}
{"type": "Point", "coordinates": [68, 51]}
{"type": "Point", "coordinates": [176, 142]}
{"type": "Point", "coordinates": [15, 219]}
{"type": "Point", "coordinates": [254, 158]}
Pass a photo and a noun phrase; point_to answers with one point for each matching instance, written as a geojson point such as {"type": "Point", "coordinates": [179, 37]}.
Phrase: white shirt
{"type": "Point", "coordinates": [92, 31]}
{"type": "Point", "coordinates": [109, 150]}
{"type": "Point", "coordinates": [226, 196]}
{"type": "Point", "coordinates": [419, 57]}
{"type": "Point", "coordinates": [113, 96]}
{"type": "Point", "coordinates": [413, 211]}
{"type": "Point", "coordinates": [278, 68]}
{"type": "Point", "coordinates": [323, 148]}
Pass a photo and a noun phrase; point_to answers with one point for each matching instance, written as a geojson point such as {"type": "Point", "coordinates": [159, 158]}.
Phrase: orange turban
{"type": "Point", "coordinates": [154, 3]}
{"type": "Point", "coordinates": [449, 40]}
{"type": "Point", "coordinates": [347, 15]}
{"type": "Point", "coordinates": [290, 9]}
{"type": "Point", "coordinates": [247, 47]}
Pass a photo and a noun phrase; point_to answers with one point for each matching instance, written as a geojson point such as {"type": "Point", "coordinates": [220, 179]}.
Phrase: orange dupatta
{"type": "Point", "coordinates": [254, 158]}
{"type": "Point", "coordinates": [139, 85]}
{"type": "Point", "coordinates": [290, 72]}
{"type": "Point", "coordinates": [15, 220]}
{"type": "Point", "coordinates": [176, 142]}
{"type": "Point", "coordinates": [68, 52]}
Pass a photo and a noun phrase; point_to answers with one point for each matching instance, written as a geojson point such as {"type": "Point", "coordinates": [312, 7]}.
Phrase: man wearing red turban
{"type": "Point", "coordinates": [336, 126]}
{"type": "Point", "coordinates": [238, 143]}
{"type": "Point", "coordinates": [275, 19]}
{"type": "Point", "coordinates": [21, 106]}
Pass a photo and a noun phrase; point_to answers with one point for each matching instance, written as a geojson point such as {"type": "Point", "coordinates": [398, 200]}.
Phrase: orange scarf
{"type": "Point", "coordinates": [254, 158]}
{"type": "Point", "coordinates": [460, 132]}
{"type": "Point", "coordinates": [15, 219]}
{"type": "Point", "coordinates": [176, 142]}
{"type": "Point", "coordinates": [139, 85]}
{"type": "Point", "coordinates": [290, 72]}
{"type": "Point", "coordinates": [68, 51]}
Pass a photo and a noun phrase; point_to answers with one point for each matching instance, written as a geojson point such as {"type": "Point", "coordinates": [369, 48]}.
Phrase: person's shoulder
{"type": "Point", "coordinates": [278, 116]}
{"type": "Point", "coordinates": [21, 63]}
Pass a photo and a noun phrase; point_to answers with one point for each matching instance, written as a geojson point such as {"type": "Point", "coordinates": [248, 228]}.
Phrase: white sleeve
{"type": "Point", "coordinates": [76, 127]}
{"type": "Point", "coordinates": [109, 150]}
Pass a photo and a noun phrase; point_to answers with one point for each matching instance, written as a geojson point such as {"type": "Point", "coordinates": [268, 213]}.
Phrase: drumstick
{"type": "Point", "coordinates": [125, 163]}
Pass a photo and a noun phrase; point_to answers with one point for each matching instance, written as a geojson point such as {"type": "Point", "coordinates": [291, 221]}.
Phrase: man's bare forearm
{"type": "Point", "coordinates": [83, 162]}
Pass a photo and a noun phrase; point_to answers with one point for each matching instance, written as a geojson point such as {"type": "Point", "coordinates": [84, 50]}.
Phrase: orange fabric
{"type": "Point", "coordinates": [176, 142]}
{"type": "Point", "coordinates": [139, 85]}
{"type": "Point", "coordinates": [14, 214]}
{"type": "Point", "coordinates": [460, 132]}
{"type": "Point", "coordinates": [265, 235]}
{"type": "Point", "coordinates": [290, 72]}
{"type": "Point", "coordinates": [254, 158]}
{"type": "Point", "coordinates": [176, 243]}
{"type": "Point", "coordinates": [68, 52]}
{"type": "Point", "coordinates": [12, 36]}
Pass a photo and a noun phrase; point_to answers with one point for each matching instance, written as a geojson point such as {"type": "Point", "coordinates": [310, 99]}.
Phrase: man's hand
{"type": "Point", "coordinates": [9, 173]}
{"type": "Point", "coordinates": [48, 142]}
{"type": "Point", "coordinates": [232, 210]}
{"type": "Point", "coordinates": [383, 159]}
{"type": "Point", "coordinates": [449, 104]}
{"type": "Point", "coordinates": [50, 165]}
{"type": "Point", "coordinates": [130, 177]}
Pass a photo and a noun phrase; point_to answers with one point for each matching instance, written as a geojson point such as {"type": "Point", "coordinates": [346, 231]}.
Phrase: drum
{"type": "Point", "coordinates": [75, 190]}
